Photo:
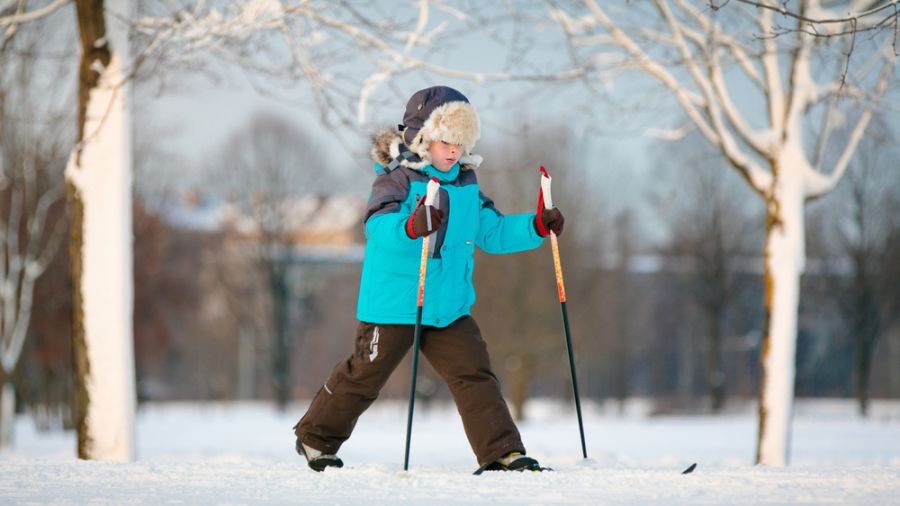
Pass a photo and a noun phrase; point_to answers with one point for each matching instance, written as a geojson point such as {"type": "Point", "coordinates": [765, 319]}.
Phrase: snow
{"type": "Point", "coordinates": [243, 454]}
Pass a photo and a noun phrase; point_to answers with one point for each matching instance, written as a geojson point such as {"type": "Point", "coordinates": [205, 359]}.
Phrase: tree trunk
{"type": "Point", "coordinates": [519, 386]}
{"type": "Point", "coordinates": [98, 179]}
{"type": "Point", "coordinates": [281, 298]}
{"type": "Point", "coordinates": [862, 365]}
{"type": "Point", "coordinates": [784, 258]}
{"type": "Point", "coordinates": [866, 324]}
{"type": "Point", "coordinates": [7, 411]}
{"type": "Point", "coordinates": [714, 376]}
{"type": "Point", "coordinates": [246, 364]}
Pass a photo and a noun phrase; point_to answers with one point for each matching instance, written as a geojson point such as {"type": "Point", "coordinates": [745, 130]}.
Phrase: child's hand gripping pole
{"type": "Point", "coordinates": [547, 199]}
{"type": "Point", "coordinates": [430, 195]}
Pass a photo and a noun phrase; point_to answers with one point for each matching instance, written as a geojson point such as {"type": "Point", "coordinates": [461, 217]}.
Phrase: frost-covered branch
{"type": "Point", "coordinates": [638, 58]}
{"type": "Point", "coordinates": [704, 107]}
{"type": "Point", "coordinates": [740, 51]}
{"type": "Point", "coordinates": [801, 85]}
{"type": "Point", "coordinates": [23, 263]}
{"type": "Point", "coordinates": [818, 183]}
{"type": "Point", "coordinates": [403, 61]}
{"type": "Point", "coordinates": [772, 72]}
{"type": "Point", "coordinates": [712, 84]}
{"type": "Point", "coordinates": [22, 16]}
{"type": "Point", "coordinates": [814, 20]}
{"type": "Point", "coordinates": [318, 42]}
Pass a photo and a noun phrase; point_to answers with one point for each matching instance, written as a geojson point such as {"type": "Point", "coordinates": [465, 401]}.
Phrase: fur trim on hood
{"type": "Point", "coordinates": [387, 145]}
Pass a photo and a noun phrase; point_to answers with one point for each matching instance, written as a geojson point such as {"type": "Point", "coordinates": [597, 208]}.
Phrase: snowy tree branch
{"type": "Point", "coordinates": [688, 99]}
{"type": "Point", "coordinates": [403, 60]}
{"type": "Point", "coordinates": [817, 183]}
{"type": "Point", "coordinates": [27, 242]}
{"type": "Point", "coordinates": [737, 49]}
{"type": "Point", "coordinates": [801, 85]}
{"type": "Point", "coordinates": [312, 34]}
{"type": "Point", "coordinates": [717, 97]}
{"type": "Point", "coordinates": [772, 72]}
{"type": "Point", "coordinates": [709, 125]}
{"type": "Point", "coordinates": [857, 20]}
{"type": "Point", "coordinates": [21, 16]}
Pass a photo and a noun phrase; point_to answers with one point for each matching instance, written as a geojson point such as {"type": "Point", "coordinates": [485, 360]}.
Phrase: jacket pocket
{"type": "Point", "coordinates": [393, 284]}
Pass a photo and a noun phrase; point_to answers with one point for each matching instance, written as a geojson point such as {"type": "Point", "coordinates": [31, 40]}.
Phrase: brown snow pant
{"type": "Point", "coordinates": [457, 353]}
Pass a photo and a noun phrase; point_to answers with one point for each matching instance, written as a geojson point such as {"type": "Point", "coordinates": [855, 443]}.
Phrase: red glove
{"type": "Point", "coordinates": [417, 224]}
{"type": "Point", "coordinates": [547, 220]}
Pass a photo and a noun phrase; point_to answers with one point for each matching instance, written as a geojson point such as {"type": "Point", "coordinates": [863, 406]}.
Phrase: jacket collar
{"type": "Point", "coordinates": [444, 177]}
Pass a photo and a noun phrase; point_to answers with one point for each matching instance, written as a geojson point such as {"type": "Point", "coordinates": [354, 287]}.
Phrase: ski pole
{"type": "Point", "coordinates": [561, 290]}
{"type": "Point", "coordinates": [430, 193]}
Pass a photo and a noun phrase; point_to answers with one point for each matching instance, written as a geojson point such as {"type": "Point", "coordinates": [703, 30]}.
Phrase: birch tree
{"type": "Point", "coordinates": [706, 59]}
{"type": "Point", "coordinates": [98, 180]}
{"type": "Point", "coordinates": [98, 190]}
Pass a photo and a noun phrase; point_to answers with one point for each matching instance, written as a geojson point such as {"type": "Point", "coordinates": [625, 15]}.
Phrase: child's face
{"type": "Point", "coordinates": [444, 155]}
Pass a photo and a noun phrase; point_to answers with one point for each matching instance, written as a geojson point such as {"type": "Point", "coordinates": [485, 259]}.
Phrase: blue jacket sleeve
{"type": "Point", "coordinates": [387, 211]}
{"type": "Point", "coordinates": [499, 234]}
{"type": "Point", "coordinates": [388, 228]}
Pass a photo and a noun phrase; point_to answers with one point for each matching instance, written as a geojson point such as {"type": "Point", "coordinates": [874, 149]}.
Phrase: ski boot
{"type": "Point", "coordinates": [317, 460]}
{"type": "Point", "coordinates": [514, 461]}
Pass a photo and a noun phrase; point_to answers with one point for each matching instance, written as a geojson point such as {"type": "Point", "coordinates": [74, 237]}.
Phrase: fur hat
{"type": "Point", "coordinates": [439, 113]}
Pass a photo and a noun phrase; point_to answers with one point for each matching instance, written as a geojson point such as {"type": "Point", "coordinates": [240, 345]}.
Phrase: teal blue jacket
{"type": "Point", "coordinates": [390, 275]}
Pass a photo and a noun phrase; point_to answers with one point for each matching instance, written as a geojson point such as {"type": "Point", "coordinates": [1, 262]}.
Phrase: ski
{"type": "Point", "coordinates": [493, 467]}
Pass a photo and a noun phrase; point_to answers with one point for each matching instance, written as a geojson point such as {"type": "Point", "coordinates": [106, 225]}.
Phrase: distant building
{"type": "Point", "coordinates": [323, 227]}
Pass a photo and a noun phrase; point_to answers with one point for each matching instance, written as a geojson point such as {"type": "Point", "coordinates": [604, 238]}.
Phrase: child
{"type": "Point", "coordinates": [440, 128]}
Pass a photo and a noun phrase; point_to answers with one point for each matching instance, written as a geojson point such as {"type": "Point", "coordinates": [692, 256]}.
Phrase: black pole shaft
{"type": "Point", "coordinates": [417, 337]}
{"type": "Point", "coordinates": [565, 315]}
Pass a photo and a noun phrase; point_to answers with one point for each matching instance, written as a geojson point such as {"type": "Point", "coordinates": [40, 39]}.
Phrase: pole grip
{"type": "Point", "coordinates": [431, 191]}
{"type": "Point", "coordinates": [430, 194]}
{"type": "Point", "coordinates": [545, 188]}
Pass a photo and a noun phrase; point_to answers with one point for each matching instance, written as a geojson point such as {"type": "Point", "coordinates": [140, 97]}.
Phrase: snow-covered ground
{"type": "Point", "coordinates": [243, 454]}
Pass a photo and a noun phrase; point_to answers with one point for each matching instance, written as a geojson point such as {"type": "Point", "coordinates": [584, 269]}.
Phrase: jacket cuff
{"type": "Point", "coordinates": [410, 232]}
{"type": "Point", "coordinates": [540, 228]}
{"type": "Point", "coordinates": [538, 222]}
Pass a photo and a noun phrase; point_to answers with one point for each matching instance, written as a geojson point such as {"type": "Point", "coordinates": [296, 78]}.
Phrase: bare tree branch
{"type": "Point", "coordinates": [801, 86]}
{"type": "Point", "coordinates": [740, 51]}
{"type": "Point", "coordinates": [772, 71]}
{"type": "Point", "coordinates": [311, 34]}
{"type": "Point", "coordinates": [868, 16]}
{"type": "Point", "coordinates": [702, 109]}
{"type": "Point", "coordinates": [20, 17]}
{"type": "Point", "coordinates": [819, 184]}
{"type": "Point", "coordinates": [718, 99]}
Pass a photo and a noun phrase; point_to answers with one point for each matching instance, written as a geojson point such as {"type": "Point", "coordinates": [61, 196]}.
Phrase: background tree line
{"type": "Point", "coordinates": [675, 318]}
